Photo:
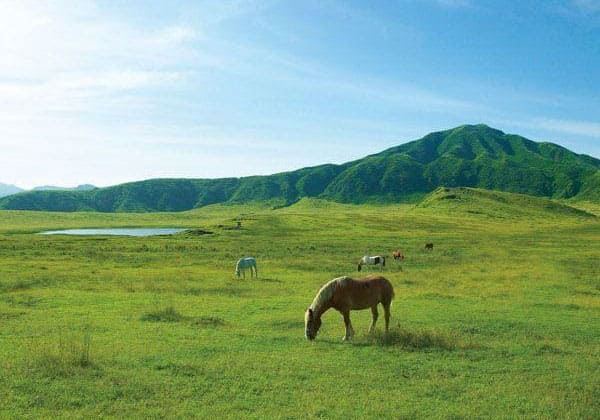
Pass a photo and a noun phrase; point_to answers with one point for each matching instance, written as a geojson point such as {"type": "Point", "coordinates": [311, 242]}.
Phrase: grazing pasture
{"type": "Point", "coordinates": [503, 319]}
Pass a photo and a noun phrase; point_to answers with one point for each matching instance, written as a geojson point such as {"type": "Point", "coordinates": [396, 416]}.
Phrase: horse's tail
{"type": "Point", "coordinates": [359, 266]}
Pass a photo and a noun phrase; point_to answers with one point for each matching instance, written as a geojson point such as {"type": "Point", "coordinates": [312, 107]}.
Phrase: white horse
{"type": "Point", "coordinates": [376, 260]}
{"type": "Point", "coordinates": [243, 264]}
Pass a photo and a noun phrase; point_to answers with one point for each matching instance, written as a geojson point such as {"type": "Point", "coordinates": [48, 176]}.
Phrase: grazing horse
{"type": "Point", "coordinates": [376, 260]}
{"type": "Point", "coordinates": [345, 294]}
{"type": "Point", "coordinates": [243, 264]}
{"type": "Point", "coordinates": [429, 246]}
{"type": "Point", "coordinates": [398, 255]}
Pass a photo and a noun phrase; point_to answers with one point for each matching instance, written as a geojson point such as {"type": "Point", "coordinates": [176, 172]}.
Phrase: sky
{"type": "Point", "coordinates": [105, 92]}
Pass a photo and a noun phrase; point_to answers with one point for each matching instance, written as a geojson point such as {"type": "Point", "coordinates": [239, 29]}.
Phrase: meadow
{"type": "Point", "coordinates": [501, 320]}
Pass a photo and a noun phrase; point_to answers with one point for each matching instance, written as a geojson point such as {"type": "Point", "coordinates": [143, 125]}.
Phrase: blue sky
{"type": "Point", "coordinates": [109, 92]}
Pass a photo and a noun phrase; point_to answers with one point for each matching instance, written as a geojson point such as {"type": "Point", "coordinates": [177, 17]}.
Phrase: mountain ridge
{"type": "Point", "coordinates": [475, 156]}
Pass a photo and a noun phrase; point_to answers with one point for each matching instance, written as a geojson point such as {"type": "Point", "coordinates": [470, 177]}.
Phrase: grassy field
{"type": "Point", "coordinates": [502, 319]}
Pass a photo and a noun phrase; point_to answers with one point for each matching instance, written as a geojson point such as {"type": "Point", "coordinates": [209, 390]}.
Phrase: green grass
{"type": "Point", "coordinates": [502, 319]}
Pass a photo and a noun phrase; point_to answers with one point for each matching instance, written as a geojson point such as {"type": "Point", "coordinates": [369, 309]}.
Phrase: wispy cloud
{"type": "Point", "coordinates": [453, 3]}
{"type": "Point", "coordinates": [587, 6]}
{"type": "Point", "coordinates": [578, 128]}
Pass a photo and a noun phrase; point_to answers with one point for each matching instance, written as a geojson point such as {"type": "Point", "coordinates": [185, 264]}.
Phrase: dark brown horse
{"type": "Point", "coordinates": [345, 294]}
{"type": "Point", "coordinates": [429, 246]}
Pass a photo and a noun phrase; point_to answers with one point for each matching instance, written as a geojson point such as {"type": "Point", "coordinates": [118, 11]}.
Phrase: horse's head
{"type": "Point", "coordinates": [237, 271]}
{"type": "Point", "coordinates": [359, 266]}
{"type": "Point", "coordinates": [312, 323]}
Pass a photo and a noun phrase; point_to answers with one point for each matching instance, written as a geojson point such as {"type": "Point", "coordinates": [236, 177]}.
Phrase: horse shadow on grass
{"type": "Point", "coordinates": [410, 339]}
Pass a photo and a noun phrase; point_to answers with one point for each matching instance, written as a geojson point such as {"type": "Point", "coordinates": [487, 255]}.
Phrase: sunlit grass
{"type": "Point", "coordinates": [500, 320]}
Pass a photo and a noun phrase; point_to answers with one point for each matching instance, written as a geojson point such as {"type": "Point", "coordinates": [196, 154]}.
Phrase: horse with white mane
{"type": "Point", "coordinates": [376, 260]}
{"type": "Point", "coordinates": [345, 294]}
{"type": "Point", "coordinates": [243, 264]}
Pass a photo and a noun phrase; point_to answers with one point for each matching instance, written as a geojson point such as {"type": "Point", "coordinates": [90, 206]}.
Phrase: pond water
{"type": "Point", "coordinates": [116, 232]}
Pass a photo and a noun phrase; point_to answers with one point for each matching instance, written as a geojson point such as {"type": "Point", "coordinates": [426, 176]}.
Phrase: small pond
{"type": "Point", "coordinates": [116, 232]}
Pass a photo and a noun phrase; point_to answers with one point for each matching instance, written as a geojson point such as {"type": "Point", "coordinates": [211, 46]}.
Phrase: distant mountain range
{"type": "Point", "coordinates": [466, 156]}
{"type": "Point", "coordinates": [82, 187]}
{"type": "Point", "coordinates": [6, 189]}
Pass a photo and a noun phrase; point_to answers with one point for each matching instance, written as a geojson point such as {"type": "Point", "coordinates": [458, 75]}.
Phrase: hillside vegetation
{"type": "Point", "coordinates": [466, 156]}
{"type": "Point", "coordinates": [496, 204]}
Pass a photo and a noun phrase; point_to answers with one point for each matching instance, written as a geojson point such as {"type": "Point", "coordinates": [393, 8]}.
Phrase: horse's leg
{"type": "Point", "coordinates": [374, 320]}
{"type": "Point", "coordinates": [386, 310]}
{"type": "Point", "coordinates": [349, 329]}
{"type": "Point", "coordinates": [256, 271]}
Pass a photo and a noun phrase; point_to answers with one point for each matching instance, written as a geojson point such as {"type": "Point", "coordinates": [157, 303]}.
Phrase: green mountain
{"type": "Point", "coordinates": [466, 156]}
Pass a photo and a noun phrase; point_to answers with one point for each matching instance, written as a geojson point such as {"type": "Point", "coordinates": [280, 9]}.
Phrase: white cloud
{"type": "Point", "coordinates": [578, 128]}
{"type": "Point", "coordinates": [587, 6]}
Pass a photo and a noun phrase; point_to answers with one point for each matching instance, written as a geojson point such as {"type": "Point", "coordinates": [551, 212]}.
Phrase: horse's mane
{"type": "Point", "coordinates": [326, 292]}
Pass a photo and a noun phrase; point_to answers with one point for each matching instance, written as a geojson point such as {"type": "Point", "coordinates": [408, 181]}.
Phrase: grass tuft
{"type": "Point", "coordinates": [71, 356]}
{"type": "Point", "coordinates": [209, 321]}
{"type": "Point", "coordinates": [169, 314]}
{"type": "Point", "coordinates": [413, 339]}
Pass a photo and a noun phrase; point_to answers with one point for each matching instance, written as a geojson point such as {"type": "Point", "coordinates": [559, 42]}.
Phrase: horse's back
{"type": "Point", "coordinates": [367, 292]}
{"type": "Point", "coordinates": [382, 283]}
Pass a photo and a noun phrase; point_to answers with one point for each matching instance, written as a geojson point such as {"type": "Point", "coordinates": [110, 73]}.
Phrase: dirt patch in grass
{"type": "Point", "coordinates": [20, 300]}
{"type": "Point", "coordinates": [5, 316]}
{"type": "Point", "coordinates": [197, 232]}
{"type": "Point", "coordinates": [224, 291]}
{"type": "Point", "coordinates": [208, 321]}
{"type": "Point", "coordinates": [19, 285]}
{"type": "Point", "coordinates": [170, 314]}
{"type": "Point", "coordinates": [178, 369]}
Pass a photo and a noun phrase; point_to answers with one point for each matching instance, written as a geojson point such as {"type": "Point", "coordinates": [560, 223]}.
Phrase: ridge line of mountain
{"type": "Point", "coordinates": [466, 156]}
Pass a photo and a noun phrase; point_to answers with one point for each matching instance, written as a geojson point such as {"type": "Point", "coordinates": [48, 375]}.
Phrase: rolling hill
{"type": "Point", "coordinates": [466, 156]}
{"type": "Point", "coordinates": [495, 204]}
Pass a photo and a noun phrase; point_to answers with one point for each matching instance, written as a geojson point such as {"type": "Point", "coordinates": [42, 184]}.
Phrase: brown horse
{"type": "Point", "coordinates": [398, 255]}
{"type": "Point", "coordinates": [344, 294]}
{"type": "Point", "coordinates": [429, 246]}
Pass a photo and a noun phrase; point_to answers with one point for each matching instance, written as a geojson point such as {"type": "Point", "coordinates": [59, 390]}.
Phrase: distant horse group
{"type": "Point", "coordinates": [345, 294]}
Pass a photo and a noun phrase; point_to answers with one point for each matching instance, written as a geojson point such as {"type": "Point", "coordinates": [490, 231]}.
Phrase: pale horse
{"type": "Point", "coordinates": [243, 264]}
